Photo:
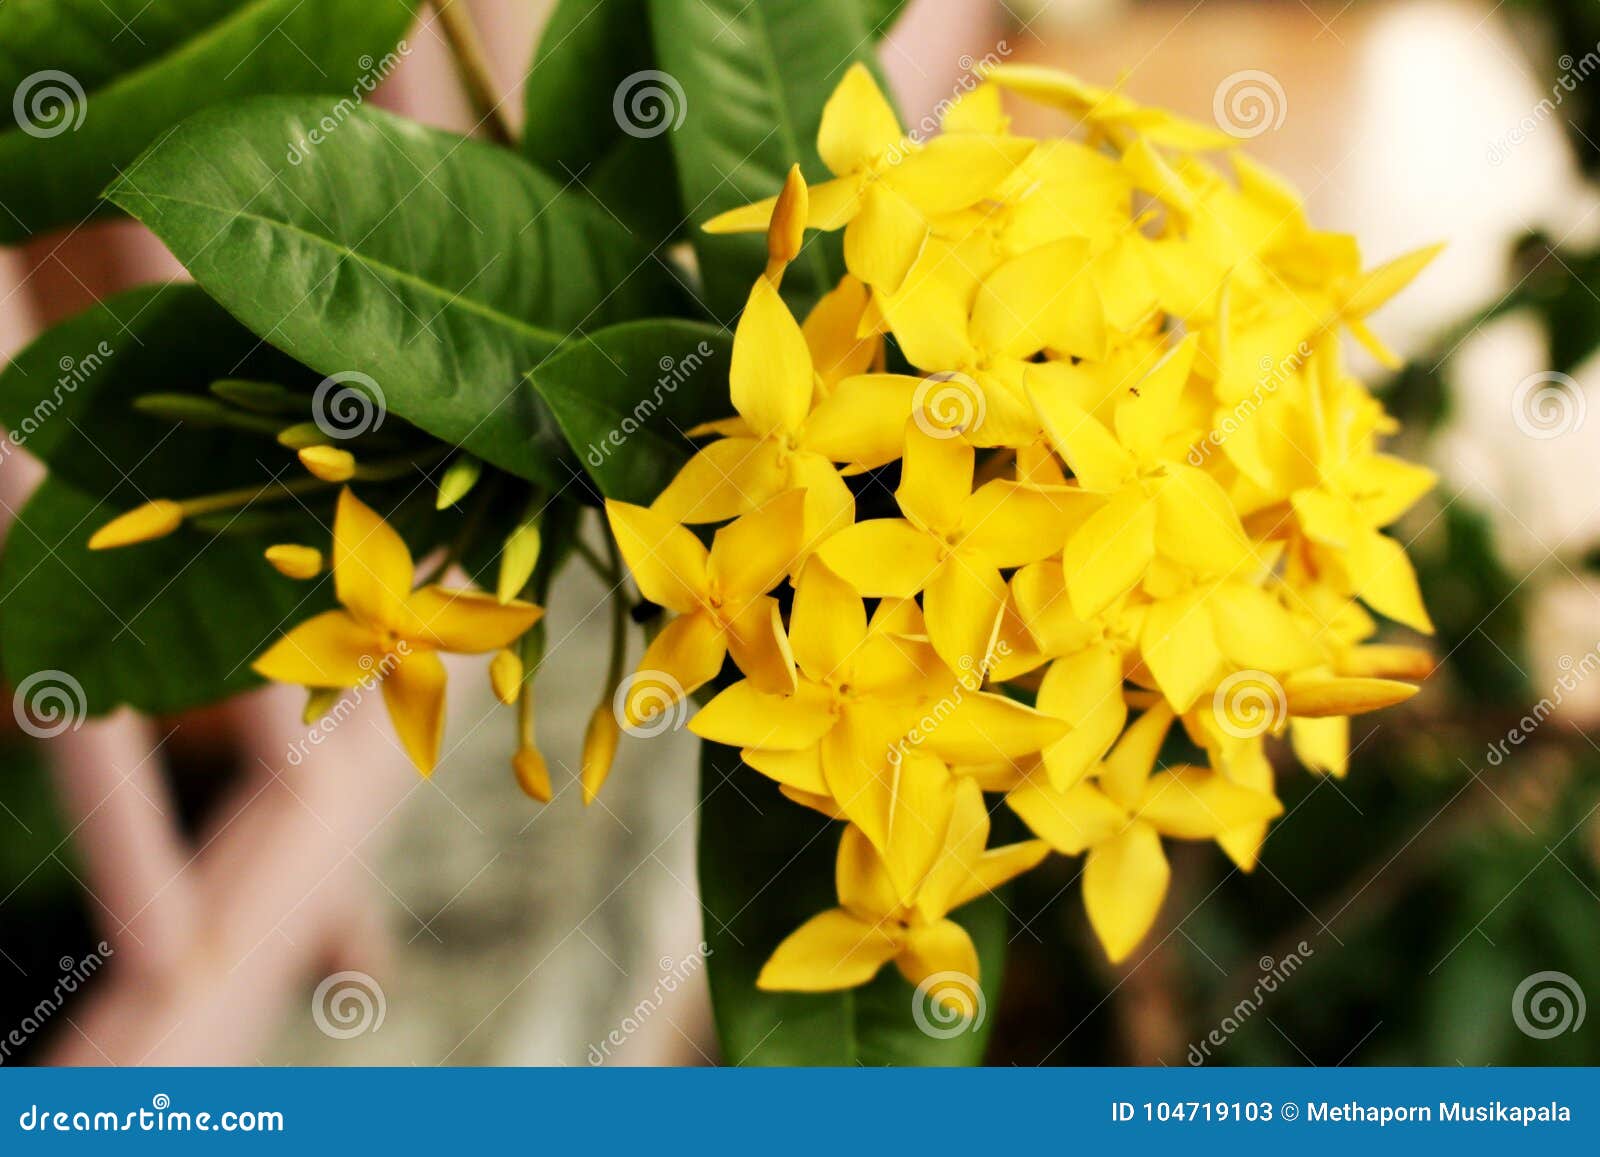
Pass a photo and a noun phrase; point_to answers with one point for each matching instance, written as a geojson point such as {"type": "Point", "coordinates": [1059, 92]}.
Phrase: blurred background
{"type": "Point", "coordinates": [177, 891]}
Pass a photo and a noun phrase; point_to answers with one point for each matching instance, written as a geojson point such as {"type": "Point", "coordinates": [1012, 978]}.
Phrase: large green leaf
{"type": "Point", "coordinates": [593, 57]}
{"type": "Point", "coordinates": [766, 866]}
{"type": "Point", "coordinates": [68, 396]}
{"type": "Point", "coordinates": [626, 396]}
{"type": "Point", "coordinates": [162, 626]}
{"type": "Point", "coordinates": [87, 84]}
{"type": "Point", "coordinates": [755, 75]}
{"type": "Point", "coordinates": [442, 268]}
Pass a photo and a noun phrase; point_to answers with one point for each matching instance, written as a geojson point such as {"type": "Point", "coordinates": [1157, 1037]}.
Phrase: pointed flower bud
{"type": "Point", "coordinates": [505, 676]}
{"type": "Point", "coordinates": [295, 561]}
{"type": "Point", "coordinates": [517, 559]}
{"type": "Point", "coordinates": [329, 463]}
{"type": "Point", "coordinates": [141, 524]}
{"type": "Point", "coordinates": [459, 478]}
{"type": "Point", "coordinates": [533, 774]}
{"type": "Point", "coordinates": [600, 741]}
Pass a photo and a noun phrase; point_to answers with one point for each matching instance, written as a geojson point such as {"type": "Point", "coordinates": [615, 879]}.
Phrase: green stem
{"type": "Point", "coordinates": [473, 66]}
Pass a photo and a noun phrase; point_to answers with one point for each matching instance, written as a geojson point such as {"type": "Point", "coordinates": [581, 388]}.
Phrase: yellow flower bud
{"type": "Point", "coordinates": [141, 524]}
{"type": "Point", "coordinates": [329, 463]}
{"type": "Point", "coordinates": [599, 750]}
{"type": "Point", "coordinates": [533, 774]}
{"type": "Point", "coordinates": [517, 559]}
{"type": "Point", "coordinates": [505, 676]}
{"type": "Point", "coordinates": [787, 232]}
{"type": "Point", "coordinates": [301, 435]}
{"type": "Point", "coordinates": [458, 480]}
{"type": "Point", "coordinates": [295, 561]}
{"type": "Point", "coordinates": [319, 701]}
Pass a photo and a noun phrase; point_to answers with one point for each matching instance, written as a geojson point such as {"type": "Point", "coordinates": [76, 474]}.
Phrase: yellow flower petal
{"type": "Point", "coordinates": [945, 948]}
{"type": "Point", "coordinates": [770, 377]}
{"type": "Point", "coordinates": [1091, 452]}
{"type": "Point", "coordinates": [963, 602]}
{"type": "Point", "coordinates": [1124, 772]}
{"type": "Point", "coordinates": [752, 554]}
{"type": "Point", "coordinates": [1385, 581]}
{"type": "Point", "coordinates": [1069, 821]}
{"type": "Point", "coordinates": [863, 885]}
{"type": "Point", "coordinates": [667, 561]}
{"type": "Point", "coordinates": [828, 623]}
{"type": "Point", "coordinates": [831, 329]}
{"type": "Point", "coordinates": [332, 649]}
{"type": "Point", "coordinates": [1196, 803]}
{"type": "Point", "coordinates": [1108, 555]}
{"type": "Point", "coordinates": [863, 422]}
{"type": "Point", "coordinates": [141, 524]}
{"type": "Point", "coordinates": [684, 657]}
{"type": "Point", "coordinates": [884, 239]}
{"type": "Point", "coordinates": [1316, 697]}
{"type": "Point", "coordinates": [724, 479]}
{"type": "Point", "coordinates": [1179, 647]}
{"type": "Point", "coordinates": [858, 123]}
{"type": "Point", "coordinates": [413, 690]}
{"type": "Point", "coordinates": [1085, 689]}
{"type": "Point", "coordinates": [744, 716]}
{"type": "Point", "coordinates": [372, 571]}
{"type": "Point", "coordinates": [830, 951]}
{"type": "Point", "coordinates": [935, 481]}
{"type": "Point", "coordinates": [882, 557]}
{"type": "Point", "coordinates": [1124, 881]}
{"type": "Point", "coordinates": [759, 646]}
{"type": "Point", "coordinates": [465, 622]}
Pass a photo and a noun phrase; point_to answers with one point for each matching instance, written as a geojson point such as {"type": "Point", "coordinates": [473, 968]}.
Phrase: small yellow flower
{"type": "Point", "coordinates": [388, 631]}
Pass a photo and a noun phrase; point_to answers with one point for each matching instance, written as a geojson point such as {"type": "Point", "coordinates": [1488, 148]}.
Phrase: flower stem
{"type": "Point", "coordinates": [473, 65]}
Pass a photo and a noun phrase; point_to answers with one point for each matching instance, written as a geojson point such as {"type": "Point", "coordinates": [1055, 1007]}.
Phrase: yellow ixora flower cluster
{"type": "Point", "coordinates": [1135, 485]}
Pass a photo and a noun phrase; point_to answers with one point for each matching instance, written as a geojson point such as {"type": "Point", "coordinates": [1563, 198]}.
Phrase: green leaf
{"type": "Point", "coordinates": [766, 866]}
{"type": "Point", "coordinates": [68, 397]}
{"type": "Point", "coordinates": [89, 83]}
{"type": "Point", "coordinates": [626, 396]}
{"type": "Point", "coordinates": [162, 626]}
{"type": "Point", "coordinates": [755, 75]}
{"type": "Point", "coordinates": [442, 268]}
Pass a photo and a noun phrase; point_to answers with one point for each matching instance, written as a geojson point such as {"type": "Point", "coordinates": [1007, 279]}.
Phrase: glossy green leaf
{"type": "Point", "coordinates": [67, 398]}
{"type": "Point", "coordinates": [162, 626]}
{"type": "Point", "coordinates": [87, 84]}
{"type": "Point", "coordinates": [626, 396]}
{"type": "Point", "coordinates": [766, 866]}
{"type": "Point", "coordinates": [754, 76]}
{"type": "Point", "coordinates": [441, 268]}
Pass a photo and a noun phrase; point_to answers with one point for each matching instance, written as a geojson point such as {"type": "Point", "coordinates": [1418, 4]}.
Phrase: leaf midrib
{"type": "Point", "coordinates": [452, 299]}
